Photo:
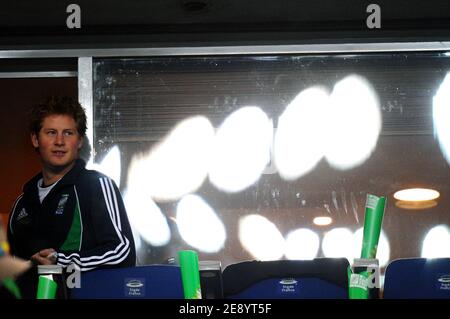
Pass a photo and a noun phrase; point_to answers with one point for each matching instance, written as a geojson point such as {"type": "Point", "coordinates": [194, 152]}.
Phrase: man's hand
{"type": "Point", "coordinates": [45, 257]}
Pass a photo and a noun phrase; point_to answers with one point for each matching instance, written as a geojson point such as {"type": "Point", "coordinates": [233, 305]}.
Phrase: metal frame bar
{"type": "Point", "coordinates": [38, 74]}
{"type": "Point", "coordinates": [85, 97]}
{"type": "Point", "coordinates": [231, 50]}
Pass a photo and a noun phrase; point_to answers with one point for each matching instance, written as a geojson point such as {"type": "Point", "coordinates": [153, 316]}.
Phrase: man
{"type": "Point", "coordinates": [68, 214]}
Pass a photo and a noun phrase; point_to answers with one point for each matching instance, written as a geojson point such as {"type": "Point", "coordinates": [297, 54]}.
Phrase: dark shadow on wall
{"type": "Point", "coordinates": [18, 160]}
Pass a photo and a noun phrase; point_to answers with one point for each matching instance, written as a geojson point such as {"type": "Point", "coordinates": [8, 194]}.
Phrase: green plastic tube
{"type": "Point", "coordinates": [357, 285]}
{"type": "Point", "coordinates": [11, 285]}
{"type": "Point", "coordinates": [190, 275]}
{"type": "Point", "coordinates": [358, 281]}
{"type": "Point", "coordinates": [372, 225]}
{"type": "Point", "coordinates": [46, 288]}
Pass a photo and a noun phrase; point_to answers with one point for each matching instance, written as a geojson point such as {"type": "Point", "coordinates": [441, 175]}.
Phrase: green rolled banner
{"type": "Point", "coordinates": [358, 285]}
{"type": "Point", "coordinates": [46, 288]}
{"type": "Point", "coordinates": [372, 225]}
{"type": "Point", "coordinates": [190, 275]}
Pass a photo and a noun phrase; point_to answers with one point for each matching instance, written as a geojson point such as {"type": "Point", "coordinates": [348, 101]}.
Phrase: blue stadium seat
{"type": "Point", "coordinates": [144, 282]}
{"type": "Point", "coordinates": [417, 278]}
{"type": "Point", "coordinates": [321, 278]}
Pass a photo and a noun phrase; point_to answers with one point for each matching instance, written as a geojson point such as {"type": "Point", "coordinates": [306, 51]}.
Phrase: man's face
{"type": "Point", "coordinates": [58, 141]}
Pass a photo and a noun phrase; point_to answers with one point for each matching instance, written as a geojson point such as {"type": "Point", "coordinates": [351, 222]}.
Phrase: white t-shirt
{"type": "Point", "coordinates": [43, 191]}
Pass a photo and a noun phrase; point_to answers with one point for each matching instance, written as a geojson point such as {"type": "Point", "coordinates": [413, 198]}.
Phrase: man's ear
{"type": "Point", "coordinates": [34, 140]}
{"type": "Point", "coordinates": [80, 143]}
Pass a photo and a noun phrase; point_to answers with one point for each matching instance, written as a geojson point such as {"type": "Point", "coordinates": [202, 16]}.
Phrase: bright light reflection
{"type": "Point", "coordinates": [261, 238]}
{"type": "Point", "coordinates": [299, 140]}
{"type": "Point", "coordinates": [322, 220]}
{"type": "Point", "coordinates": [110, 165]}
{"type": "Point", "coordinates": [437, 243]}
{"type": "Point", "coordinates": [338, 243]}
{"type": "Point", "coordinates": [383, 250]}
{"type": "Point", "coordinates": [241, 150]}
{"type": "Point", "coordinates": [176, 166]}
{"type": "Point", "coordinates": [199, 225]}
{"type": "Point", "coordinates": [302, 243]}
{"type": "Point", "coordinates": [416, 194]}
{"type": "Point", "coordinates": [354, 123]}
{"type": "Point", "coordinates": [441, 116]}
{"type": "Point", "coordinates": [146, 217]}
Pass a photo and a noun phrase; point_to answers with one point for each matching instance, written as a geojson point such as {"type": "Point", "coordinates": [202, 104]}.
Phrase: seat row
{"type": "Point", "coordinates": [321, 278]}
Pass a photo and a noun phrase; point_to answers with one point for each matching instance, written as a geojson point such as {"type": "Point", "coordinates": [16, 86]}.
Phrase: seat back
{"type": "Point", "coordinates": [322, 278]}
{"type": "Point", "coordinates": [143, 282]}
{"type": "Point", "coordinates": [417, 278]}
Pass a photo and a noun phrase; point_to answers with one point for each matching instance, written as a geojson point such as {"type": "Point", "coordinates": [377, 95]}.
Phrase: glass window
{"type": "Point", "coordinates": [235, 156]}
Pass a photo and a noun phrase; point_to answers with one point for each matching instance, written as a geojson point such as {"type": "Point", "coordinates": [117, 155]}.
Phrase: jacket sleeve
{"type": "Point", "coordinates": [110, 229]}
